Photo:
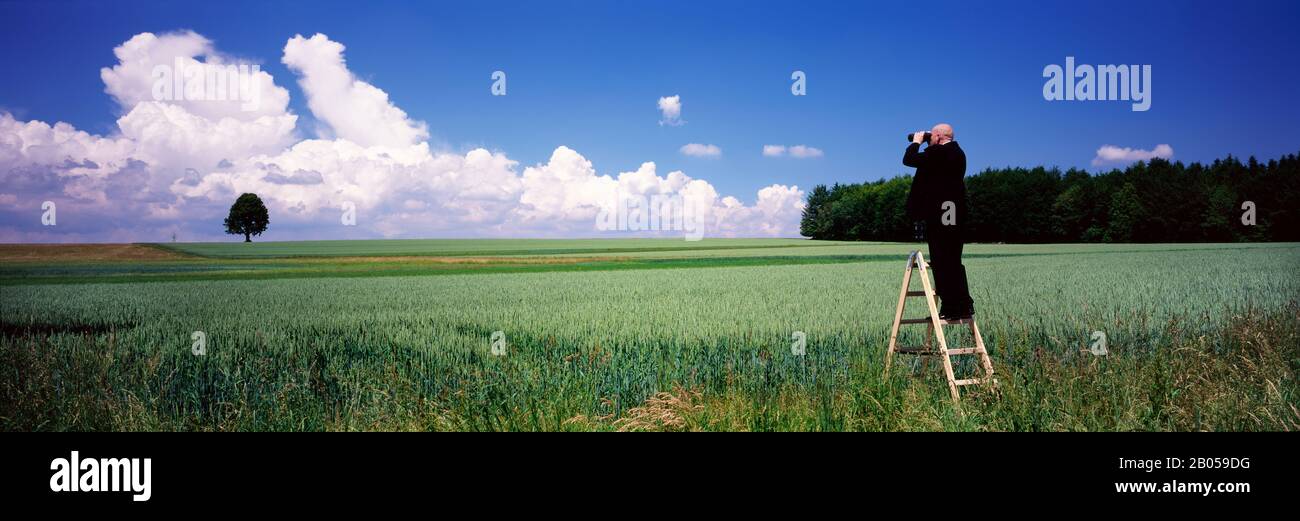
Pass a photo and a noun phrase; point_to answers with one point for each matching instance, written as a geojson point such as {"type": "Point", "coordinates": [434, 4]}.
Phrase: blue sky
{"type": "Point", "coordinates": [587, 75]}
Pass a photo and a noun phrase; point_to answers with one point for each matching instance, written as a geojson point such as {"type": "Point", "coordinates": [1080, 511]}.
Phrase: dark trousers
{"type": "Point", "coordinates": [945, 260]}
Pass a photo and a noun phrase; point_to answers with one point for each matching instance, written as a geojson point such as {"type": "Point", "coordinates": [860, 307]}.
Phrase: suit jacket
{"type": "Point", "coordinates": [940, 176]}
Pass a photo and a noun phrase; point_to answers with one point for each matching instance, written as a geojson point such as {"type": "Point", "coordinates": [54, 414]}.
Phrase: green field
{"type": "Point", "coordinates": [472, 247]}
{"type": "Point", "coordinates": [640, 334]}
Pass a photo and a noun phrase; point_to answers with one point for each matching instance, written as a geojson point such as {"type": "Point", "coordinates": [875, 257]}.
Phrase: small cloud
{"type": "Point", "coordinates": [225, 164]}
{"type": "Point", "coordinates": [803, 151]}
{"type": "Point", "coordinates": [1111, 154]}
{"type": "Point", "coordinates": [670, 107]}
{"type": "Point", "coordinates": [795, 151]}
{"type": "Point", "coordinates": [698, 150]}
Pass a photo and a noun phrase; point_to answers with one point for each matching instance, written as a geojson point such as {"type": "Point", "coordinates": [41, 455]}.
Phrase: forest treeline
{"type": "Point", "coordinates": [1155, 201]}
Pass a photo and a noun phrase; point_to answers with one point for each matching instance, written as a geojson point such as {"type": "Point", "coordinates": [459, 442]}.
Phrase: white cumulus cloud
{"type": "Point", "coordinates": [355, 110]}
{"type": "Point", "coordinates": [670, 110]}
{"type": "Point", "coordinates": [147, 60]}
{"type": "Point", "coordinates": [795, 151]}
{"type": "Point", "coordinates": [1111, 154]}
{"type": "Point", "coordinates": [191, 126]}
{"type": "Point", "coordinates": [700, 150]}
{"type": "Point", "coordinates": [803, 151]}
{"type": "Point", "coordinates": [175, 165]}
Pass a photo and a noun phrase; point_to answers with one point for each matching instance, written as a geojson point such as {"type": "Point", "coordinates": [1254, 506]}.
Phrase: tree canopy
{"type": "Point", "coordinates": [248, 217]}
{"type": "Point", "coordinates": [1156, 201]}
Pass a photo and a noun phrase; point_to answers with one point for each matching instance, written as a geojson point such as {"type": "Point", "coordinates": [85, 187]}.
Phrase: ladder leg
{"type": "Point", "coordinates": [898, 313]}
{"type": "Point", "coordinates": [947, 371]}
{"type": "Point", "coordinates": [938, 330]}
{"type": "Point", "coordinates": [983, 353]}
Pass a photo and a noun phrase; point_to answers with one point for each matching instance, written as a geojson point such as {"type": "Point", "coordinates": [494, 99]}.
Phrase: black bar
{"type": "Point", "coordinates": [323, 471]}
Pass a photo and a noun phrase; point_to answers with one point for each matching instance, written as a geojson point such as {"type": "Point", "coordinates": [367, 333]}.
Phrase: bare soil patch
{"type": "Point", "coordinates": [84, 252]}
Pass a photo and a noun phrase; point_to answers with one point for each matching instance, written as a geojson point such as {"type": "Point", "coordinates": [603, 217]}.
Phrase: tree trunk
{"type": "Point", "coordinates": [247, 238]}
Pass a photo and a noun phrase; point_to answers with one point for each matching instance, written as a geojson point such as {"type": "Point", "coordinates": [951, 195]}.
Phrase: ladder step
{"type": "Point", "coordinates": [930, 351]}
{"type": "Point", "coordinates": [969, 381]}
{"type": "Point", "coordinates": [943, 322]}
{"type": "Point", "coordinates": [916, 293]}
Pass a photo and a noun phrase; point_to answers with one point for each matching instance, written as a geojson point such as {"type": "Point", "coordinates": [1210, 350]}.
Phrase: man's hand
{"type": "Point", "coordinates": [918, 136]}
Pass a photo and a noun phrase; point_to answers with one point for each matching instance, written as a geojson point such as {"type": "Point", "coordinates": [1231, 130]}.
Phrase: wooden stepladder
{"type": "Point", "coordinates": [935, 331]}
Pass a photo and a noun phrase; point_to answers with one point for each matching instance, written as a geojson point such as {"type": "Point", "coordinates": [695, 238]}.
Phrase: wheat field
{"type": "Point", "coordinates": [654, 336]}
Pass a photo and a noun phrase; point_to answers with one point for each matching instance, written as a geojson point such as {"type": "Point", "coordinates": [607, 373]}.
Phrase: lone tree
{"type": "Point", "coordinates": [248, 217]}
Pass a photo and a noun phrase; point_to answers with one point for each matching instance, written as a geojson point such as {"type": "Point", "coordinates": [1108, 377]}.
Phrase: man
{"type": "Point", "coordinates": [938, 197]}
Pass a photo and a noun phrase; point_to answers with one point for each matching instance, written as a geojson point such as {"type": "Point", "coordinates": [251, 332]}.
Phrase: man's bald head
{"type": "Point", "coordinates": [940, 134]}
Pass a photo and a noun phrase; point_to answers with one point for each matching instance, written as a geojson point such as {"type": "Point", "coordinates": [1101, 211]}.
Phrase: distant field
{"type": "Point", "coordinates": [637, 335]}
{"type": "Point", "coordinates": [471, 247]}
{"type": "Point", "coordinates": [80, 264]}
{"type": "Point", "coordinates": [629, 248]}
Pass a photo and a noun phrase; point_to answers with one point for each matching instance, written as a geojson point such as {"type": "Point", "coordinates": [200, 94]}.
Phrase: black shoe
{"type": "Point", "coordinates": [965, 314]}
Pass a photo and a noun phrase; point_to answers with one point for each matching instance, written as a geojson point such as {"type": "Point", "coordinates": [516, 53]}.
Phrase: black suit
{"type": "Point", "coordinates": [940, 173]}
